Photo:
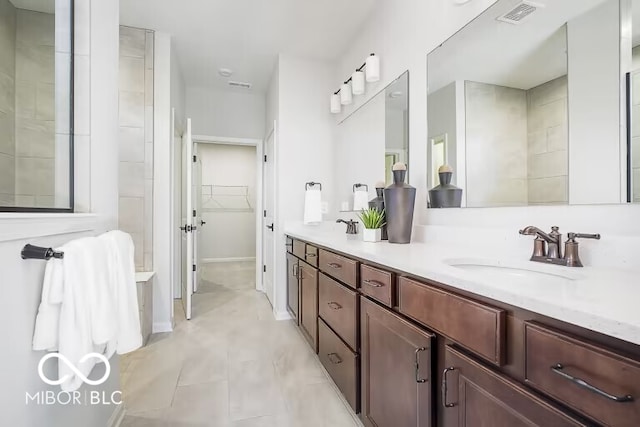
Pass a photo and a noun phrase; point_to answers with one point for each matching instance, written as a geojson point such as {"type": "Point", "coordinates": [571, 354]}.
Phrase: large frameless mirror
{"type": "Point", "coordinates": [36, 108]}
{"type": "Point", "coordinates": [524, 105]}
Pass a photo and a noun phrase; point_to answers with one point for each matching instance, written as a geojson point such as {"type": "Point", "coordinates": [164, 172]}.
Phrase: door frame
{"type": "Point", "coordinates": [252, 142]}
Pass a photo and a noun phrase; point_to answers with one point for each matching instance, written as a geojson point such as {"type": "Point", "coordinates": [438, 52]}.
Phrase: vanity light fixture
{"type": "Point", "coordinates": [356, 83]}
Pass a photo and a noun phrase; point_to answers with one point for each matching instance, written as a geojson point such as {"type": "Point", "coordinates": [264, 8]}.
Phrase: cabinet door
{"type": "Point", "coordinates": [309, 304]}
{"type": "Point", "coordinates": [396, 370]}
{"type": "Point", "coordinates": [474, 395]}
{"type": "Point", "coordinates": [293, 287]}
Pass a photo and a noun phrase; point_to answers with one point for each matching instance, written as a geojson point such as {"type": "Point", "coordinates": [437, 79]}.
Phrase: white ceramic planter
{"type": "Point", "coordinates": [371, 234]}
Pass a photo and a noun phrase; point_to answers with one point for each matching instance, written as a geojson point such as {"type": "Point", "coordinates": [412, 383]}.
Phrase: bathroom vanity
{"type": "Point", "coordinates": [409, 344]}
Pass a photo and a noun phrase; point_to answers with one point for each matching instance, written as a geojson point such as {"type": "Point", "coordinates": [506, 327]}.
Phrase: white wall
{"type": "Point", "coordinates": [228, 234]}
{"type": "Point", "coordinates": [231, 113]}
{"type": "Point", "coordinates": [96, 180]}
{"type": "Point", "coordinates": [304, 147]}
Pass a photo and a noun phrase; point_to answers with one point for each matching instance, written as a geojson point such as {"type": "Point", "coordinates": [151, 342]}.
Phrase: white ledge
{"type": "Point", "coordinates": [19, 226]}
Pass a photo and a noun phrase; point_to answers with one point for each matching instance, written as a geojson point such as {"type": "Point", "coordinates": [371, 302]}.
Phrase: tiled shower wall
{"type": "Point", "coordinates": [496, 145]}
{"type": "Point", "coordinates": [136, 142]}
{"type": "Point", "coordinates": [548, 143]}
{"type": "Point", "coordinates": [7, 102]}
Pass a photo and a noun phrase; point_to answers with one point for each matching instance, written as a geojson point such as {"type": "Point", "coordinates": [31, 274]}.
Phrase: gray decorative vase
{"type": "Point", "coordinates": [378, 203]}
{"type": "Point", "coordinates": [445, 195]}
{"type": "Point", "coordinates": [399, 200]}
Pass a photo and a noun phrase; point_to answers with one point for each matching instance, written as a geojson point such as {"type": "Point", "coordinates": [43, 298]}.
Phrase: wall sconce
{"type": "Point", "coordinates": [356, 84]}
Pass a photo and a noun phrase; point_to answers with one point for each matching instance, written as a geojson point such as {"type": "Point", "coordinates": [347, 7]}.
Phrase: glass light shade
{"type": "Point", "coordinates": [357, 83]}
{"type": "Point", "coordinates": [345, 94]}
{"type": "Point", "coordinates": [335, 103]}
{"type": "Point", "coordinates": [373, 68]}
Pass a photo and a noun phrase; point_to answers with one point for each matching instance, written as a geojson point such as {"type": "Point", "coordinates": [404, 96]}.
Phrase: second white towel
{"type": "Point", "coordinates": [360, 200]}
{"type": "Point", "coordinates": [312, 206]}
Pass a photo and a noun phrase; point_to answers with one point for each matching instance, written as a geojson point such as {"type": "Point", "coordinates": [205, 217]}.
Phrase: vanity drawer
{"type": "Point", "coordinates": [299, 249]}
{"type": "Point", "coordinates": [476, 326]}
{"type": "Point", "coordinates": [311, 255]}
{"type": "Point", "coordinates": [341, 363]}
{"type": "Point", "coordinates": [339, 267]}
{"type": "Point", "coordinates": [338, 307]}
{"type": "Point", "coordinates": [554, 363]}
{"type": "Point", "coordinates": [376, 283]}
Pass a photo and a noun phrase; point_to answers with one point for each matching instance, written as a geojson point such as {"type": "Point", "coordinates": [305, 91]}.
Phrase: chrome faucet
{"type": "Point", "coordinates": [546, 247]}
{"type": "Point", "coordinates": [351, 226]}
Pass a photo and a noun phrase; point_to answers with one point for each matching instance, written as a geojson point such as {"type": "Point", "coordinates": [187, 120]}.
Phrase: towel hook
{"type": "Point", "coordinates": [356, 186]}
{"type": "Point", "coordinates": [312, 184]}
{"type": "Point", "coordinates": [39, 252]}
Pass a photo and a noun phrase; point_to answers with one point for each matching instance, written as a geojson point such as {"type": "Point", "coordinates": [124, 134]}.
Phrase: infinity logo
{"type": "Point", "coordinates": [75, 370]}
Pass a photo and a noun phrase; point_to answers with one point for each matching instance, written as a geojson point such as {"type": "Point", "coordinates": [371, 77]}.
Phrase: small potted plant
{"type": "Point", "coordinates": [373, 220]}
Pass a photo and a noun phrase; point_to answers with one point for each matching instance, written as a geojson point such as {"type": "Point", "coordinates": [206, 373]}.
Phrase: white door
{"type": "Point", "coordinates": [269, 217]}
{"type": "Point", "coordinates": [188, 265]}
{"type": "Point", "coordinates": [198, 223]}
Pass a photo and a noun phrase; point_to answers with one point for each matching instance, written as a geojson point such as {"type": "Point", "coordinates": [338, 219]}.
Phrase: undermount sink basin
{"type": "Point", "coordinates": [515, 273]}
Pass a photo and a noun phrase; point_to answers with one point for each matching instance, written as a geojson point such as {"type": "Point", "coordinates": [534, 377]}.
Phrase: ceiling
{"type": "Point", "coordinates": [246, 36]}
{"type": "Point", "coordinates": [518, 56]}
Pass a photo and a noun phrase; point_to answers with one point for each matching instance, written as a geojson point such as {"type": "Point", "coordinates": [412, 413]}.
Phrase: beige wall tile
{"type": "Point", "coordinates": [132, 42]}
{"type": "Point", "coordinates": [548, 190]}
{"type": "Point", "coordinates": [132, 74]}
{"type": "Point", "coordinates": [132, 144]}
{"type": "Point", "coordinates": [7, 93]}
{"type": "Point", "coordinates": [36, 28]}
{"type": "Point", "coordinates": [131, 179]}
{"type": "Point", "coordinates": [35, 177]}
{"type": "Point", "coordinates": [557, 138]}
{"type": "Point", "coordinates": [25, 99]}
{"type": "Point", "coordinates": [45, 103]}
{"type": "Point", "coordinates": [7, 174]}
{"type": "Point", "coordinates": [129, 218]}
{"type": "Point", "coordinates": [35, 138]}
{"type": "Point", "coordinates": [7, 37]}
{"type": "Point", "coordinates": [7, 134]}
{"type": "Point", "coordinates": [132, 109]}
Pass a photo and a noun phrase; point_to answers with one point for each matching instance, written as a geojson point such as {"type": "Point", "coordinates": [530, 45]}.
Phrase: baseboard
{"type": "Point", "coordinates": [161, 327]}
{"type": "Point", "coordinates": [233, 259]}
{"type": "Point", "coordinates": [116, 418]}
{"type": "Point", "coordinates": [282, 315]}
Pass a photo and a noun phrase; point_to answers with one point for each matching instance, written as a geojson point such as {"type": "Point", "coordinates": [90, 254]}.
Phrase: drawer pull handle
{"type": "Point", "coordinates": [419, 380]}
{"type": "Point", "coordinates": [334, 265]}
{"type": "Point", "coordinates": [374, 283]}
{"type": "Point", "coordinates": [334, 305]}
{"type": "Point", "coordinates": [334, 358]}
{"type": "Point", "coordinates": [444, 388]}
{"type": "Point", "coordinates": [296, 270]}
{"type": "Point", "coordinates": [558, 369]}
{"type": "Point", "coordinates": [311, 255]}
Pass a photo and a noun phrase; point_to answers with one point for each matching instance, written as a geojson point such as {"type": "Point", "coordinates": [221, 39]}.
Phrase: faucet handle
{"type": "Point", "coordinates": [571, 237]}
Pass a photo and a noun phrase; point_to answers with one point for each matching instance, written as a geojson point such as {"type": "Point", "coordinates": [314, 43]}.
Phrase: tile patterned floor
{"type": "Point", "coordinates": [232, 365]}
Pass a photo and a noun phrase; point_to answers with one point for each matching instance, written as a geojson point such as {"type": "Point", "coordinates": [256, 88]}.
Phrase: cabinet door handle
{"type": "Point", "coordinates": [373, 283]}
{"type": "Point", "coordinates": [311, 255]}
{"type": "Point", "coordinates": [558, 369]}
{"type": "Point", "coordinates": [334, 265]}
{"type": "Point", "coordinates": [334, 305]}
{"type": "Point", "coordinates": [334, 358]}
{"type": "Point", "coordinates": [418, 379]}
{"type": "Point", "coordinates": [444, 388]}
{"type": "Point", "coordinates": [296, 271]}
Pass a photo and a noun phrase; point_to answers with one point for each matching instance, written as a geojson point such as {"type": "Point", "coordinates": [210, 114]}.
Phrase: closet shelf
{"type": "Point", "coordinates": [226, 198]}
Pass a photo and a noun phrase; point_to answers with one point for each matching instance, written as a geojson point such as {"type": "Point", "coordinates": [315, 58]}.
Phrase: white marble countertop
{"type": "Point", "coordinates": [600, 299]}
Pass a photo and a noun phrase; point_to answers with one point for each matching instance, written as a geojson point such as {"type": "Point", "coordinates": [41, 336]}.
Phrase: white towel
{"type": "Point", "coordinates": [312, 206]}
{"type": "Point", "coordinates": [360, 200]}
{"type": "Point", "coordinates": [123, 284]}
{"type": "Point", "coordinates": [45, 336]}
{"type": "Point", "coordinates": [85, 322]}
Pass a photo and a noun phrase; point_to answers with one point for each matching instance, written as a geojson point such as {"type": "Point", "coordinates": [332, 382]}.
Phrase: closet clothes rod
{"type": "Point", "coordinates": [39, 252]}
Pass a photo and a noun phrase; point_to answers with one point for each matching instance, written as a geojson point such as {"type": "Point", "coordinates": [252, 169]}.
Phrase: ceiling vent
{"type": "Point", "coordinates": [243, 85]}
{"type": "Point", "coordinates": [520, 12]}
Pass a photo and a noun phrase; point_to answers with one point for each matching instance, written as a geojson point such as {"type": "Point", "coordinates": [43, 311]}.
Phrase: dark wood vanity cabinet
{"type": "Point", "coordinates": [390, 340]}
{"type": "Point", "coordinates": [396, 370]}
{"type": "Point", "coordinates": [474, 395]}
{"type": "Point", "coordinates": [309, 303]}
{"type": "Point", "coordinates": [293, 286]}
